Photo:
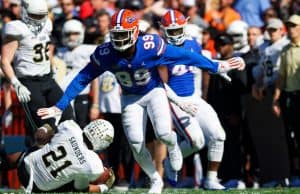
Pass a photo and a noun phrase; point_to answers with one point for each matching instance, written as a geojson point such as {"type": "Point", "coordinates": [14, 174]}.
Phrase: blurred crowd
{"type": "Point", "coordinates": [258, 109]}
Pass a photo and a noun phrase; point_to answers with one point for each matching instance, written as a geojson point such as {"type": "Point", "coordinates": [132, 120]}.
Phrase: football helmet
{"type": "Point", "coordinates": [100, 133]}
{"type": "Point", "coordinates": [173, 25]}
{"type": "Point", "coordinates": [238, 31]}
{"type": "Point", "coordinates": [34, 14]}
{"type": "Point", "coordinates": [124, 29]}
{"type": "Point", "coordinates": [72, 33]}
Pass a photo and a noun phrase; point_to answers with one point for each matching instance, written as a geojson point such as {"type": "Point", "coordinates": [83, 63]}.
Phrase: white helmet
{"type": "Point", "coordinates": [238, 31]}
{"type": "Point", "coordinates": [72, 26]}
{"type": "Point", "coordinates": [34, 13]}
{"type": "Point", "coordinates": [100, 133]}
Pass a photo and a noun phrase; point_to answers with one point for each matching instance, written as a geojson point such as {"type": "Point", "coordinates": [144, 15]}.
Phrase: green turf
{"type": "Point", "coordinates": [194, 191]}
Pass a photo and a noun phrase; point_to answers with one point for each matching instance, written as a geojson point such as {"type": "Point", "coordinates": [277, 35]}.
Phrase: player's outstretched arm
{"type": "Point", "coordinates": [85, 76]}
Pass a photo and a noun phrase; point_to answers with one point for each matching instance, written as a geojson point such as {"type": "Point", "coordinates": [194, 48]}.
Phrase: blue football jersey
{"type": "Point", "coordinates": [137, 75]}
{"type": "Point", "coordinates": [181, 78]}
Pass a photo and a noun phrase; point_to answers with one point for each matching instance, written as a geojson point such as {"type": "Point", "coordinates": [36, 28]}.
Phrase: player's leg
{"type": "Point", "coordinates": [81, 109]}
{"type": "Point", "coordinates": [189, 128]}
{"type": "Point", "coordinates": [215, 137]}
{"type": "Point", "coordinates": [159, 112]}
{"type": "Point", "coordinates": [134, 122]}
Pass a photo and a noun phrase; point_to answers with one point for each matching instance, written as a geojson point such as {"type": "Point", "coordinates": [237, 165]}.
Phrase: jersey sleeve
{"type": "Point", "coordinates": [48, 26]}
{"type": "Point", "coordinates": [172, 55]}
{"type": "Point", "coordinates": [82, 79]}
{"type": "Point", "coordinates": [13, 29]}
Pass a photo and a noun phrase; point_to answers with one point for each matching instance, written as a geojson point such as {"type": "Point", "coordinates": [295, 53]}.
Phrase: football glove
{"type": "Point", "coordinates": [187, 106]}
{"type": "Point", "coordinates": [22, 92]}
{"type": "Point", "coordinates": [230, 64]}
{"type": "Point", "coordinates": [52, 112]}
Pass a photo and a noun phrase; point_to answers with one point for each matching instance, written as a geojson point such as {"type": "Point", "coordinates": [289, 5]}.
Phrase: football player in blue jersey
{"type": "Point", "coordinates": [180, 79]}
{"type": "Point", "coordinates": [134, 60]}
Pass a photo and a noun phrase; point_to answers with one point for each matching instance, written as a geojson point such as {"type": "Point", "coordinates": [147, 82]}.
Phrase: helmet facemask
{"type": "Point", "coordinates": [124, 38]}
{"type": "Point", "coordinates": [100, 133]}
{"type": "Point", "coordinates": [34, 15]}
{"type": "Point", "coordinates": [72, 33]}
{"type": "Point", "coordinates": [175, 35]}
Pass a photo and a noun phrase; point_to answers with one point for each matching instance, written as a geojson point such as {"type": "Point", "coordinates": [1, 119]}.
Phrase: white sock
{"type": "Point", "coordinates": [212, 175]}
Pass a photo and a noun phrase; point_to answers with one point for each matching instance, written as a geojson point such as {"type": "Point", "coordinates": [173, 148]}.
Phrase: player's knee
{"type": "Point", "coordinates": [218, 135]}
{"type": "Point", "coordinates": [168, 138]}
{"type": "Point", "coordinates": [198, 141]}
{"type": "Point", "coordinates": [215, 150]}
{"type": "Point", "coordinates": [136, 147]}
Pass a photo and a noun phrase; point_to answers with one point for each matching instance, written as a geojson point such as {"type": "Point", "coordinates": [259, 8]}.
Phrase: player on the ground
{"type": "Point", "coordinates": [68, 162]}
{"type": "Point", "coordinates": [25, 60]}
{"type": "Point", "coordinates": [134, 60]}
{"type": "Point", "coordinates": [181, 80]}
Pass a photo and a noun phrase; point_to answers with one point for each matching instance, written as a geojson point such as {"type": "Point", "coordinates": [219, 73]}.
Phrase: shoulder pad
{"type": "Point", "coordinates": [14, 29]}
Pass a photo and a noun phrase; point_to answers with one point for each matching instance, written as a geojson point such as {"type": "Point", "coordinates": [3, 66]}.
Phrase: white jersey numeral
{"type": "Point", "coordinates": [141, 77]}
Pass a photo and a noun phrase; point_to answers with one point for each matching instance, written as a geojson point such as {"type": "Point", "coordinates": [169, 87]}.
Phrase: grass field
{"type": "Point", "coordinates": [195, 191]}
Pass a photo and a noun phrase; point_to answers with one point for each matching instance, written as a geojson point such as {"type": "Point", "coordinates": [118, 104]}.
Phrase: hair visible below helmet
{"type": "Point", "coordinates": [173, 25]}
{"type": "Point", "coordinates": [238, 30]}
{"type": "Point", "coordinates": [31, 9]}
{"type": "Point", "coordinates": [100, 133]}
{"type": "Point", "coordinates": [72, 27]}
{"type": "Point", "coordinates": [124, 29]}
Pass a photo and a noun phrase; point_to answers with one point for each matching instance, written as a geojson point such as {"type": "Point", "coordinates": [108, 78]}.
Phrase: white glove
{"type": "Point", "coordinates": [188, 107]}
{"type": "Point", "coordinates": [230, 64]}
{"type": "Point", "coordinates": [22, 92]}
{"type": "Point", "coordinates": [52, 112]}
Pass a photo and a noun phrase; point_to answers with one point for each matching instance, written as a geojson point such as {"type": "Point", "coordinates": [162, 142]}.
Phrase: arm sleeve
{"type": "Point", "coordinates": [175, 56]}
{"type": "Point", "coordinates": [83, 78]}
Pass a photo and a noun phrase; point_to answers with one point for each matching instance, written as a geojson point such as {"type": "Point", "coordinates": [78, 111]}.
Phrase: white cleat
{"type": "Point", "coordinates": [171, 174]}
{"type": "Point", "coordinates": [175, 156]}
{"type": "Point", "coordinates": [213, 184]}
{"type": "Point", "coordinates": [157, 185]}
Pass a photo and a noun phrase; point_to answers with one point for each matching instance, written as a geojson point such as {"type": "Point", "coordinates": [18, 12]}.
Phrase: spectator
{"type": "Point", "coordinates": [287, 93]}
{"type": "Point", "coordinates": [100, 32]}
{"type": "Point", "coordinates": [15, 7]}
{"type": "Point", "coordinates": [190, 10]}
{"type": "Point", "coordinates": [222, 17]}
{"type": "Point", "coordinates": [259, 112]}
{"type": "Point", "coordinates": [253, 12]}
{"type": "Point", "coordinates": [68, 13]}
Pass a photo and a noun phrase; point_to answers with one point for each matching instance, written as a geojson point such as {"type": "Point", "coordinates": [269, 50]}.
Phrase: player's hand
{"type": "Point", "coordinates": [52, 112]}
{"type": "Point", "coordinates": [22, 92]}
{"type": "Point", "coordinates": [230, 64]}
{"type": "Point", "coordinates": [188, 107]}
{"type": "Point", "coordinates": [276, 109]}
{"type": "Point", "coordinates": [110, 181]}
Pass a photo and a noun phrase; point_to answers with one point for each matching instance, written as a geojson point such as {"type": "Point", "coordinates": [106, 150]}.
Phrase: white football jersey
{"type": "Point", "coordinates": [32, 55]}
{"type": "Point", "coordinates": [109, 98]}
{"type": "Point", "coordinates": [66, 158]}
{"type": "Point", "coordinates": [75, 60]}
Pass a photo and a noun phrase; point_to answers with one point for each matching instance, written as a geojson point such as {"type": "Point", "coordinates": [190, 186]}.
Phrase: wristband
{"type": "Point", "coordinates": [103, 188]}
